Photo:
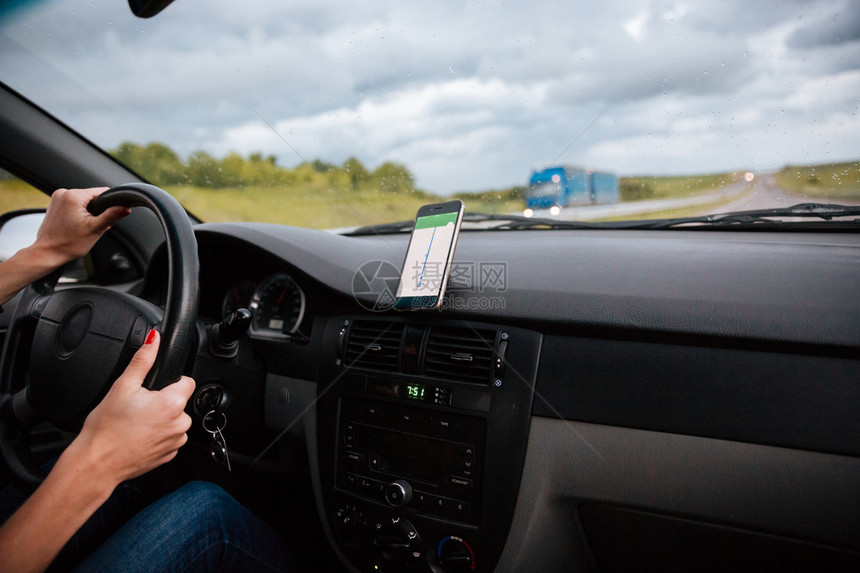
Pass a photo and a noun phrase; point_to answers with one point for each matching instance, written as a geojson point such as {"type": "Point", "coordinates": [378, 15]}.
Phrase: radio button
{"type": "Point", "coordinates": [460, 481]}
{"type": "Point", "coordinates": [458, 509]}
{"type": "Point", "coordinates": [349, 434]}
{"type": "Point", "coordinates": [353, 459]}
{"type": "Point", "coordinates": [435, 504]}
{"type": "Point", "coordinates": [398, 493]}
{"type": "Point", "coordinates": [350, 482]}
{"type": "Point", "coordinates": [371, 411]}
{"type": "Point", "coordinates": [464, 465]}
{"type": "Point", "coordinates": [465, 453]}
{"type": "Point", "coordinates": [419, 499]}
{"type": "Point", "coordinates": [374, 462]}
{"type": "Point", "coordinates": [444, 423]}
{"type": "Point", "coordinates": [442, 396]}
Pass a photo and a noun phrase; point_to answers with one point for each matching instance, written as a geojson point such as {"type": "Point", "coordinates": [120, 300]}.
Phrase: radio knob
{"type": "Point", "coordinates": [398, 493]}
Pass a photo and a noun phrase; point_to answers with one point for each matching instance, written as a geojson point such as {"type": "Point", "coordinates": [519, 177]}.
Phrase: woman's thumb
{"type": "Point", "coordinates": [143, 359]}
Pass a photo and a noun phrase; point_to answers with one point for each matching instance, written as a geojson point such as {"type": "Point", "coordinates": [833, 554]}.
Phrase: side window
{"type": "Point", "coordinates": [19, 231]}
{"type": "Point", "coordinates": [16, 194]}
{"type": "Point", "coordinates": [109, 263]}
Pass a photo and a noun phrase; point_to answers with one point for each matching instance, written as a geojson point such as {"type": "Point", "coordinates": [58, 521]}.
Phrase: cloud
{"type": "Point", "coordinates": [460, 121]}
{"type": "Point", "coordinates": [469, 94]}
{"type": "Point", "coordinates": [831, 29]}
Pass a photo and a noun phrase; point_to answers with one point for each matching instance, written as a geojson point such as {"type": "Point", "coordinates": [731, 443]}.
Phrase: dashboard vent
{"type": "Point", "coordinates": [374, 344]}
{"type": "Point", "coordinates": [460, 354]}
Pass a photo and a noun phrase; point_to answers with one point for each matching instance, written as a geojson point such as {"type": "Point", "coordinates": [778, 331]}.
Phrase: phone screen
{"type": "Point", "coordinates": [428, 257]}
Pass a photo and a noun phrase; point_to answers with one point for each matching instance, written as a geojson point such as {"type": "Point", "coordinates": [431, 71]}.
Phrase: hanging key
{"type": "Point", "coordinates": [214, 423]}
{"type": "Point", "coordinates": [219, 449]}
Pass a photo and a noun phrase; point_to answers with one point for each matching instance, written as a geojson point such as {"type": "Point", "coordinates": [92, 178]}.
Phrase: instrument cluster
{"type": "Point", "coordinates": [277, 304]}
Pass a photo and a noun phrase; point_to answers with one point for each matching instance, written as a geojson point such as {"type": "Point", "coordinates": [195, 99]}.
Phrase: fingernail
{"type": "Point", "coordinates": [150, 338]}
{"type": "Point", "coordinates": [125, 212]}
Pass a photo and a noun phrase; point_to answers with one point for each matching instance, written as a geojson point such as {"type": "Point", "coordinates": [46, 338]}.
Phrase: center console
{"type": "Point", "coordinates": [422, 429]}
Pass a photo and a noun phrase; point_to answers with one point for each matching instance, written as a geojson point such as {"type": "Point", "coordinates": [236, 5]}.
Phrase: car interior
{"type": "Point", "coordinates": [596, 400]}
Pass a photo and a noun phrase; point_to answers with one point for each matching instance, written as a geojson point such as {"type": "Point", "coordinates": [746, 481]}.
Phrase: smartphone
{"type": "Point", "coordinates": [429, 255]}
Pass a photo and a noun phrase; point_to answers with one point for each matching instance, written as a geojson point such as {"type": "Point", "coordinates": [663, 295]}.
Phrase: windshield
{"type": "Point", "coordinates": [346, 114]}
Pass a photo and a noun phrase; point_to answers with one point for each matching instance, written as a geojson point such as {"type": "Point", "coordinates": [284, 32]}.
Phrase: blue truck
{"type": "Point", "coordinates": [565, 186]}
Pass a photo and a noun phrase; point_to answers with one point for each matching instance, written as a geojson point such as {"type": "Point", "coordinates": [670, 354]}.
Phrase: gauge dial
{"type": "Point", "coordinates": [239, 296]}
{"type": "Point", "coordinates": [278, 306]}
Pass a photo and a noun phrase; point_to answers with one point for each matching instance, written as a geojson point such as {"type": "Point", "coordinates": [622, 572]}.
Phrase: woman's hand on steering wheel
{"type": "Point", "coordinates": [134, 430]}
{"type": "Point", "coordinates": [69, 231]}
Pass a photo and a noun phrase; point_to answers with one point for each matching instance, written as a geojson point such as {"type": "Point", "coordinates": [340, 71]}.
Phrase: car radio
{"type": "Point", "coordinates": [425, 460]}
{"type": "Point", "coordinates": [422, 432]}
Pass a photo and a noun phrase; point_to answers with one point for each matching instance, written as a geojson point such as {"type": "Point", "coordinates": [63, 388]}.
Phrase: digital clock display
{"type": "Point", "coordinates": [416, 391]}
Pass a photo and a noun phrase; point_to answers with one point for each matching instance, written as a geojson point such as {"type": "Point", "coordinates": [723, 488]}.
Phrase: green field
{"type": "Point", "coordinates": [642, 188]}
{"type": "Point", "coordinates": [495, 201]}
{"type": "Point", "coordinates": [834, 180]}
{"type": "Point", "coordinates": [328, 201]}
{"type": "Point", "coordinates": [313, 205]}
{"type": "Point", "coordinates": [319, 205]}
{"type": "Point", "coordinates": [15, 194]}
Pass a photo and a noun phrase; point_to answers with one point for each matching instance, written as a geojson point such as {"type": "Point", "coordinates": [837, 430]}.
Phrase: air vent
{"type": "Point", "coordinates": [460, 354]}
{"type": "Point", "coordinates": [374, 344]}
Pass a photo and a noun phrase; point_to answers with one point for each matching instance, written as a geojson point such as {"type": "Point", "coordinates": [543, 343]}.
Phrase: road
{"type": "Point", "coordinates": [592, 212]}
{"type": "Point", "coordinates": [764, 194]}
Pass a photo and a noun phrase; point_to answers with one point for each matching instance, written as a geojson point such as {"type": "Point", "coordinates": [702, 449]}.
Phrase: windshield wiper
{"type": "Point", "coordinates": [485, 221]}
{"type": "Point", "coordinates": [774, 216]}
{"type": "Point", "coordinates": [497, 222]}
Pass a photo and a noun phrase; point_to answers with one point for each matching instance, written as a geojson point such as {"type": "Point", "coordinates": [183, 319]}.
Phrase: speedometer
{"type": "Point", "coordinates": [239, 296]}
{"type": "Point", "coordinates": [278, 306]}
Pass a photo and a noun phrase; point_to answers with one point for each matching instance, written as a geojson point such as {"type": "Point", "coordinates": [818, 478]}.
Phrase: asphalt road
{"type": "Point", "coordinates": [765, 194]}
{"type": "Point", "coordinates": [591, 212]}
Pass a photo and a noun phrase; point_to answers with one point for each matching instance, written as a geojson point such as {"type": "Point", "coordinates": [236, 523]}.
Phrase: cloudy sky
{"type": "Point", "coordinates": [470, 95]}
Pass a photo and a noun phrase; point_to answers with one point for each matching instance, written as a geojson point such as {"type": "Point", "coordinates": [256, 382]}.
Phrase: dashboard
{"type": "Point", "coordinates": [608, 401]}
{"type": "Point", "coordinates": [233, 278]}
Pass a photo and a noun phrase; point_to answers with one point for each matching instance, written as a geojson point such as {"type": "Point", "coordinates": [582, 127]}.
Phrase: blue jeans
{"type": "Point", "coordinates": [197, 528]}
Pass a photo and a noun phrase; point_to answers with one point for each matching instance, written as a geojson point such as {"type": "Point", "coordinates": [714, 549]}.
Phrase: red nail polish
{"type": "Point", "coordinates": [150, 338]}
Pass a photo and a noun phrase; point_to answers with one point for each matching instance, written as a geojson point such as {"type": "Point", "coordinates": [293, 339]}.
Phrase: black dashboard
{"type": "Point", "coordinates": [602, 400]}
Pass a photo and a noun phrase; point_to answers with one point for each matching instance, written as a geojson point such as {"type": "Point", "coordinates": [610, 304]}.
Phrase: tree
{"type": "Point", "coordinates": [393, 177]}
{"type": "Point", "coordinates": [203, 170]}
{"type": "Point", "coordinates": [231, 170]}
{"type": "Point", "coordinates": [156, 162]}
{"type": "Point", "coordinates": [164, 165]}
{"type": "Point", "coordinates": [358, 174]}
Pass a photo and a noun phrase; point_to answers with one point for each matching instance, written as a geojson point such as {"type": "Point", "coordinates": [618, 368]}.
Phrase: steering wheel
{"type": "Point", "coordinates": [77, 341]}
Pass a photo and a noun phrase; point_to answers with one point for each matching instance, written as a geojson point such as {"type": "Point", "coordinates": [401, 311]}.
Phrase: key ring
{"type": "Point", "coordinates": [218, 428]}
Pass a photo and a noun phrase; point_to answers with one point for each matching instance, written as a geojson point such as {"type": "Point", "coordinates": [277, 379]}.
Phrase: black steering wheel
{"type": "Point", "coordinates": [71, 344]}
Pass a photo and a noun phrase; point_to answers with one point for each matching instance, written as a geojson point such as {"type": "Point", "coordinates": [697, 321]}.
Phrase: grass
{"type": "Point", "coordinates": [834, 180]}
{"type": "Point", "coordinates": [692, 211]}
{"type": "Point", "coordinates": [313, 205]}
{"type": "Point", "coordinates": [494, 206]}
{"type": "Point", "coordinates": [15, 194]}
{"type": "Point", "coordinates": [318, 205]}
{"type": "Point", "coordinates": [494, 201]}
{"type": "Point", "coordinates": [642, 188]}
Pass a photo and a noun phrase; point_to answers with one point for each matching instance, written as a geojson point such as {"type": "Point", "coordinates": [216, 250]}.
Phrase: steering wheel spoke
{"type": "Point", "coordinates": [16, 419]}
